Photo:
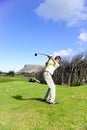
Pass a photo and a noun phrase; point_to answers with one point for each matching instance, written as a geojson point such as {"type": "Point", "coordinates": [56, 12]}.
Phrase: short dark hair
{"type": "Point", "coordinates": [57, 57]}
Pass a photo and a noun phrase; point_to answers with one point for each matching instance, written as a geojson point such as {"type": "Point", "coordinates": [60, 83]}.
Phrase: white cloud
{"type": "Point", "coordinates": [64, 53]}
{"type": "Point", "coordinates": [71, 11]}
{"type": "Point", "coordinates": [83, 37]}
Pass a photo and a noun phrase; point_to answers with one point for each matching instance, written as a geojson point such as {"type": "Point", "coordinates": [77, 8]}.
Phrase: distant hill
{"type": "Point", "coordinates": [31, 69]}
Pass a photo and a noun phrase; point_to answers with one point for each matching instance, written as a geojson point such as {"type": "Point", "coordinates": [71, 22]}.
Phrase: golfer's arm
{"type": "Point", "coordinates": [47, 62]}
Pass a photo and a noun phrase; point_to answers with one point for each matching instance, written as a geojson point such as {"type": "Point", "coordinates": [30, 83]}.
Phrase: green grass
{"type": "Point", "coordinates": [22, 108]}
{"type": "Point", "coordinates": [12, 78]}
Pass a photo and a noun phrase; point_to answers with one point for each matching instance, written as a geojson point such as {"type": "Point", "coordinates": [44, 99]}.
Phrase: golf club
{"type": "Point", "coordinates": [41, 54]}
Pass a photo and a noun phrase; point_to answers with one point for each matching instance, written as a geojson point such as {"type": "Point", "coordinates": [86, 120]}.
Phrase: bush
{"type": "Point", "coordinates": [11, 73]}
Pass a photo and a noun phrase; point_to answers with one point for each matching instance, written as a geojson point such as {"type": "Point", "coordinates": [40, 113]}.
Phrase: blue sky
{"type": "Point", "coordinates": [45, 26]}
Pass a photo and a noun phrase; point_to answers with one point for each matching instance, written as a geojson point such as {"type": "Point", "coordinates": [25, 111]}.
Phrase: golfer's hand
{"type": "Point", "coordinates": [50, 57]}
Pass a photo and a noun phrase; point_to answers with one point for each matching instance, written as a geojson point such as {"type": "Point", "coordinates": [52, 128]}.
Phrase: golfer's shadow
{"type": "Point", "coordinates": [19, 97]}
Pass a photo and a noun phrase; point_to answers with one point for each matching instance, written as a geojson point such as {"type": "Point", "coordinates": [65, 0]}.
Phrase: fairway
{"type": "Point", "coordinates": [22, 107]}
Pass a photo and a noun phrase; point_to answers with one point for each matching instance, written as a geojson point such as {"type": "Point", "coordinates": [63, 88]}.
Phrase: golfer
{"type": "Point", "coordinates": [51, 66]}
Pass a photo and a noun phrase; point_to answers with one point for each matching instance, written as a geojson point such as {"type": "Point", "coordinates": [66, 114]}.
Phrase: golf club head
{"type": "Point", "coordinates": [35, 54]}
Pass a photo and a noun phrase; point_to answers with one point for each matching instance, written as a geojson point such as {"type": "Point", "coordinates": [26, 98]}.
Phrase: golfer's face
{"type": "Point", "coordinates": [58, 60]}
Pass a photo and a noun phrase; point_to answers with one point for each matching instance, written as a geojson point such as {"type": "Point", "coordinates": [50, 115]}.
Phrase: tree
{"type": "Point", "coordinates": [78, 66]}
{"type": "Point", "coordinates": [11, 73]}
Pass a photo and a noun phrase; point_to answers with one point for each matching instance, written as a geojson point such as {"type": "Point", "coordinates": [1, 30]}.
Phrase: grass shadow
{"type": "Point", "coordinates": [19, 97]}
{"type": "Point", "coordinates": [38, 99]}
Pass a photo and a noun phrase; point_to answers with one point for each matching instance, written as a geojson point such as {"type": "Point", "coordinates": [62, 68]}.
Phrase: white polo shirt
{"type": "Point", "coordinates": [51, 67]}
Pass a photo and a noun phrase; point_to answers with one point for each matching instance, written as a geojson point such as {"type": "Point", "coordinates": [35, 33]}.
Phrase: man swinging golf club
{"type": "Point", "coordinates": [51, 66]}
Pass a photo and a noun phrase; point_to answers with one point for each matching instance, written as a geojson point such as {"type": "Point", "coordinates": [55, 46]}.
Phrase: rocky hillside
{"type": "Point", "coordinates": [31, 69]}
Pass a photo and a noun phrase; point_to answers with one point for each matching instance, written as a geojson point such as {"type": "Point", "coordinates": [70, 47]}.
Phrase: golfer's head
{"type": "Point", "coordinates": [58, 58]}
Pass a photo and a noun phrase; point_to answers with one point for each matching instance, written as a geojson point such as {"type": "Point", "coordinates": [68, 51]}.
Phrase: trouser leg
{"type": "Point", "coordinates": [51, 85]}
{"type": "Point", "coordinates": [47, 96]}
{"type": "Point", "coordinates": [52, 93]}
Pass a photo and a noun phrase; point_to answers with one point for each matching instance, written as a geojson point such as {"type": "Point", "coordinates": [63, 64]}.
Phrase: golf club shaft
{"type": "Point", "coordinates": [42, 54]}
